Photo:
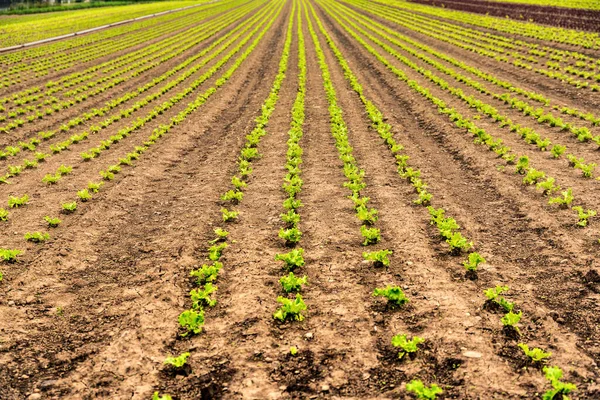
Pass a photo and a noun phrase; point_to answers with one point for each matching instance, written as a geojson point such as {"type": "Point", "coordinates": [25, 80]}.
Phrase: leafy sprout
{"type": "Point", "coordinates": [423, 392]}
{"type": "Point", "coordinates": [394, 294]}
{"type": "Point", "coordinates": [234, 196]}
{"type": "Point", "coordinates": [535, 354]}
{"type": "Point", "coordinates": [290, 309]}
{"type": "Point", "coordinates": [37, 237]}
{"type": "Point", "coordinates": [84, 195]}
{"type": "Point", "coordinates": [511, 319]}
{"type": "Point", "coordinates": [69, 207]}
{"type": "Point", "coordinates": [493, 294]}
{"type": "Point", "coordinates": [221, 235]}
{"type": "Point", "coordinates": [564, 201]}
{"type": "Point", "coordinates": [583, 215]}
{"type": "Point", "coordinates": [458, 242]}
{"type": "Point", "coordinates": [3, 214]}
{"type": "Point", "coordinates": [52, 222]}
{"type": "Point", "coordinates": [367, 216]}
{"type": "Point", "coordinates": [215, 251]}
{"type": "Point", "coordinates": [291, 235]}
{"type": "Point", "coordinates": [95, 186]}
{"type": "Point", "coordinates": [292, 260]}
{"type": "Point", "coordinates": [371, 235]}
{"type": "Point", "coordinates": [192, 321]}
{"type": "Point", "coordinates": [207, 273]}
{"type": "Point", "coordinates": [9, 255]}
{"type": "Point", "coordinates": [291, 218]}
{"type": "Point", "coordinates": [229, 215]}
{"type": "Point", "coordinates": [292, 283]}
{"type": "Point", "coordinates": [407, 346]}
{"type": "Point", "coordinates": [473, 262]}
{"type": "Point", "coordinates": [177, 362]}
{"type": "Point", "coordinates": [201, 297]}
{"type": "Point", "coordinates": [16, 202]}
{"type": "Point", "coordinates": [380, 258]}
{"type": "Point", "coordinates": [554, 375]}
{"type": "Point", "coordinates": [156, 396]}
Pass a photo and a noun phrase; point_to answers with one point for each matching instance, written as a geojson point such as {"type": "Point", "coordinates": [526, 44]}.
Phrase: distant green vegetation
{"type": "Point", "coordinates": [28, 28]}
{"type": "Point", "coordinates": [39, 8]}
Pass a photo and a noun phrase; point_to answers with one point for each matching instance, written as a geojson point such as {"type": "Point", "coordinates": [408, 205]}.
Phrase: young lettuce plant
{"type": "Point", "coordinates": [201, 297]}
{"type": "Point", "coordinates": [407, 346]}
{"type": "Point", "coordinates": [554, 375]}
{"type": "Point", "coordinates": [84, 195]}
{"type": "Point", "coordinates": [423, 392]}
{"type": "Point", "coordinates": [493, 294]}
{"type": "Point", "coordinates": [291, 218]}
{"type": "Point", "coordinates": [536, 355]}
{"type": "Point", "coordinates": [291, 236]}
{"type": "Point", "coordinates": [207, 273]}
{"type": "Point", "coordinates": [157, 396]}
{"type": "Point", "coordinates": [229, 215]}
{"type": "Point", "coordinates": [379, 258]}
{"type": "Point", "coordinates": [177, 362]}
{"type": "Point", "coordinates": [564, 201]}
{"type": "Point", "coordinates": [234, 196]}
{"type": "Point", "coordinates": [290, 309]}
{"type": "Point", "coordinates": [394, 294]}
{"type": "Point", "coordinates": [292, 260]}
{"type": "Point", "coordinates": [37, 237]}
{"type": "Point", "coordinates": [3, 215]}
{"type": "Point", "coordinates": [50, 179]}
{"type": "Point", "coordinates": [473, 262]}
{"type": "Point", "coordinates": [458, 243]}
{"type": "Point", "coordinates": [522, 165]}
{"type": "Point", "coordinates": [52, 222]}
{"type": "Point", "coordinates": [367, 216]}
{"type": "Point", "coordinates": [215, 251]}
{"type": "Point", "coordinates": [558, 150]}
{"type": "Point", "coordinates": [70, 207]}
{"type": "Point", "coordinates": [371, 235]}
{"type": "Point", "coordinates": [547, 187]}
{"type": "Point", "coordinates": [8, 255]}
{"type": "Point", "coordinates": [583, 215]}
{"type": "Point", "coordinates": [510, 320]}
{"type": "Point", "coordinates": [221, 236]}
{"type": "Point", "coordinates": [292, 283]}
{"type": "Point", "coordinates": [94, 187]}
{"type": "Point", "coordinates": [16, 202]}
{"type": "Point", "coordinates": [192, 321]}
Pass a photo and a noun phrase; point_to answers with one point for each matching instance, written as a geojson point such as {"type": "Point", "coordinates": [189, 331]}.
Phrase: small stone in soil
{"type": "Point", "coordinates": [472, 354]}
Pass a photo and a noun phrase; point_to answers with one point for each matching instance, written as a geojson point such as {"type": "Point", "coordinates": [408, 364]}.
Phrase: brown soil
{"type": "Point", "coordinates": [92, 312]}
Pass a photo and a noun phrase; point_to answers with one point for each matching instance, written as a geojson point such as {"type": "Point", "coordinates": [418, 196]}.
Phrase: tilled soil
{"type": "Point", "coordinates": [92, 312]}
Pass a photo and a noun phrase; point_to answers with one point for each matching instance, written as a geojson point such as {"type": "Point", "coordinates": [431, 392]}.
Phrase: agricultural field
{"type": "Point", "coordinates": [294, 199]}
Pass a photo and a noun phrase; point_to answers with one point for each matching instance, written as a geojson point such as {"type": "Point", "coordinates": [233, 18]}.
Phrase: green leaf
{"type": "Point", "coordinates": [394, 294]}
{"type": "Point", "coordinates": [177, 362]}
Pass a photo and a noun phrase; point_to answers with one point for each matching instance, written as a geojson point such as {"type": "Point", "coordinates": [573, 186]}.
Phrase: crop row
{"type": "Point", "coordinates": [532, 176]}
{"type": "Point", "coordinates": [143, 66]}
{"type": "Point", "coordinates": [163, 50]}
{"type": "Point", "coordinates": [192, 320]}
{"type": "Point", "coordinates": [455, 35]}
{"type": "Point", "coordinates": [59, 147]}
{"type": "Point", "coordinates": [28, 64]}
{"type": "Point", "coordinates": [28, 28]}
{"type": "Point", "coordinates": [109, 172]}
{"type": "Point", "coordinates": [51, 87]}
{"type": "Point", "coordinates": [355, 183]}
{"type": "Point", "coordinates": [446, 226]}
{"type": "Point", "coordinates": [291, 309]}
{"type": "Point", "coordinates": [583, 134]}
{"type": "Point", "coordinates": [588, 40]}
